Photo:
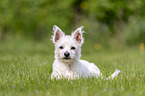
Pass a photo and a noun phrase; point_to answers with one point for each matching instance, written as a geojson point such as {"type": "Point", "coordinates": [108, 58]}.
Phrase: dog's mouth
{"type": "Point", "coordinates": [66, 58]}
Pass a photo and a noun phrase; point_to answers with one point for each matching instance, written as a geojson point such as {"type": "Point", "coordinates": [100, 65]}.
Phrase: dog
{"type": "Point", "coordinates": [67, 63]}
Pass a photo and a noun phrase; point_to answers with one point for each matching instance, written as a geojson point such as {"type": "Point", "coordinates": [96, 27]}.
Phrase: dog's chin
{"type": "Point", "coordinates": [67, 59]}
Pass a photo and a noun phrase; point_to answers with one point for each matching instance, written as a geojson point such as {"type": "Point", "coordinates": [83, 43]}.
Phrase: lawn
{"type": "Point", "coordinates": [26, 66]}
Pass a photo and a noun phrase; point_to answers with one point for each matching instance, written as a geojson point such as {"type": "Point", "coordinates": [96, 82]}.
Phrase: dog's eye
{"type": "Point", "coordinates": [73, 48]}
{"type": "Point", "coordinates": [61, 47]}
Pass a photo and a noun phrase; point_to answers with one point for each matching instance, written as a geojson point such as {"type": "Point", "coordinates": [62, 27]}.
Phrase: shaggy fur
{"type": "Point", "coordinates": [67, 63]}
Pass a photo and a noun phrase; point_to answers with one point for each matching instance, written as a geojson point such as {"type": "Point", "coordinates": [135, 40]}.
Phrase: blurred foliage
{"type": "Point", "coordinates": [31, 17]}
{"type": "Point", "coordinates": [35, 19]}
{"type": "Point", "coordinates": [135, 32]}
{"type": "Point", "coordinates": [111, 12]}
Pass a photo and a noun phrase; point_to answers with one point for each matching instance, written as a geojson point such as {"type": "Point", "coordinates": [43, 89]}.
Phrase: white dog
{"type": "Point", "coordinates": [67, 62]}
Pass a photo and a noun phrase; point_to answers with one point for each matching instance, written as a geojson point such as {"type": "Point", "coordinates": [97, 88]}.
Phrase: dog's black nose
{"type": "Point", "coordinates": [66, 54]}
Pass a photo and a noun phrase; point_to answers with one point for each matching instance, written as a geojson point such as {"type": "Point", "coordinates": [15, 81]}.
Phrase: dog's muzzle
{"type": "Point", "coordinates": [67, 55]}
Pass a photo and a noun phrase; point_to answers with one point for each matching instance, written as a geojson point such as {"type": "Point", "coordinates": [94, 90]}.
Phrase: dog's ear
{"type": "Point", "coordinates": [78, 35]}
{"type": "Point", "coordinates": [57, 34]}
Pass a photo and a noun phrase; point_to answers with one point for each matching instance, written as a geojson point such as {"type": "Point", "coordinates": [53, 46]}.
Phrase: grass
{"type": "Point", "coordinates": [26, 66]}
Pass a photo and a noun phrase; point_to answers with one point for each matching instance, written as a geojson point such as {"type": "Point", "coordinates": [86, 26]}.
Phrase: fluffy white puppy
{"type": "Point", "coordinates": [67, 63]}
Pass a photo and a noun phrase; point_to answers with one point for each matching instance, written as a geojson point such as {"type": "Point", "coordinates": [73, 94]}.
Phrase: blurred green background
{"type": "Point", "coordinates": [114, 39]}
{"type": "Point", "coordinates": [108, 23]}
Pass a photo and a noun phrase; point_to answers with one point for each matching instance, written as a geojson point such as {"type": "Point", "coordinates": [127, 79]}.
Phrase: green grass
{"type": "Point", "coordinates": [26, 66]}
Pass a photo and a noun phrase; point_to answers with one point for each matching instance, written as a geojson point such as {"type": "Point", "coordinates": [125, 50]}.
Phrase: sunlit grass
{"type": "Point", "coordinates": [26, 66]}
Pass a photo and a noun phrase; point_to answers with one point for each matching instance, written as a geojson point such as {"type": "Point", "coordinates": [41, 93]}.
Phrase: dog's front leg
{"type": "Point", "coordinates": [56, 75]}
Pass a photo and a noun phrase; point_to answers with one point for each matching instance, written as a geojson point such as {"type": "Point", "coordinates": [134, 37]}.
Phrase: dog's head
{"type": "Point", "coordinates": [67, 47]}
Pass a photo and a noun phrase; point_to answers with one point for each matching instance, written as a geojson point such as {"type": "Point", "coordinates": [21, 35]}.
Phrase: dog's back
{"type": "Point", "coordinates": [93, 69]}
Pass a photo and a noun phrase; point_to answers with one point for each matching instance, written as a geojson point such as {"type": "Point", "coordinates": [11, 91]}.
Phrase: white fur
{"type": "Point", "coordinates": [72, 67]}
